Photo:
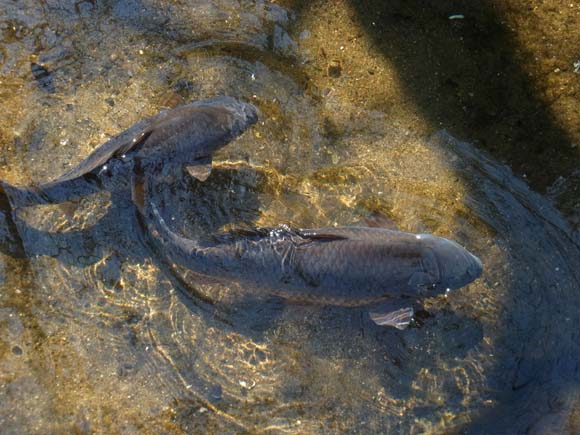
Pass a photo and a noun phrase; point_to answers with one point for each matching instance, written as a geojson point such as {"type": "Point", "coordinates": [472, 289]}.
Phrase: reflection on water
{"type": "Point", "coordinates": [96, 338]}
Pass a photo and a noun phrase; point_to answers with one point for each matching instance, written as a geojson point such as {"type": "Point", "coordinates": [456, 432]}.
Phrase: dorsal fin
{"type": "Point", "coordinates": [134, 144]}
{"type": "Point", "coordinates": [259, 232]}
{"type": "Point", "coordinates": [322, 235]}
{"type": "Point", "coordinates": [378, 219]}
{"type": "Point", "coordinates": [234, 234]}
{"type": "Point", "coordinates": [249, 232]}
{"type": "Point", "coordinates": [117, 146]}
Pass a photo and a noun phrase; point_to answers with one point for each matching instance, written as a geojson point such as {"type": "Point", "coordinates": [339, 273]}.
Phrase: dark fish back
{"type": "Point", "coordinates": [343, 266]}
{"type": "Point", "coordinates": [199, 128]}
{"type": "Point", "coordinates": [358, 269]}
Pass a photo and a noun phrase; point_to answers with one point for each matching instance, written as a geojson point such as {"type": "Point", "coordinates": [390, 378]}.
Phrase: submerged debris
{"type": "Point", "coordinates": [43, 77]}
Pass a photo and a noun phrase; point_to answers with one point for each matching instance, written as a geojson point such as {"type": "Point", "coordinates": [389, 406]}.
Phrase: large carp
{"type": "Point", "coordinates": [185, 137]}
{"type": "Point", "coordinates": [350, 266]}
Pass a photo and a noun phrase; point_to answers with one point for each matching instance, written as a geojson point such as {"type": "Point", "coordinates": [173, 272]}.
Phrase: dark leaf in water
{"type": "Point", "coordinates": [43, 78]}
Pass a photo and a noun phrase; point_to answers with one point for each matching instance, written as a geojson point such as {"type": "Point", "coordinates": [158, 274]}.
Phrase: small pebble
{"type": "Point", "coordinates": [334, 69]}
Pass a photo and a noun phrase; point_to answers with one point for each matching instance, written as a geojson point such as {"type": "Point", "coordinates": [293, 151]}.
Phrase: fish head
{"type": "Point", "coordinates": [225, 119]}
{"type": "Point", "coordinates": [246, 114]}
{"type": "Point", "coordinates": [454, 266]}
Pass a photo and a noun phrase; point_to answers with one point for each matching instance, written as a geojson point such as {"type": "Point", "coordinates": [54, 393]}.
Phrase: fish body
{"type": "Point", "coordinates": [338, 266]}
{"type": "Point", "coordinates": [176, 139]}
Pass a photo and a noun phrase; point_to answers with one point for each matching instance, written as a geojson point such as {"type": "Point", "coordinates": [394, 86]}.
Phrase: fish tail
{"type": "Point", "coordinates": [19, 196]}
{"type": "Point", "coordinates": [6, 204]}
{"type": "Point", "coordinates": [13, 240]}
{"type": "Point", "coordinates": [160, 226]}
{"type": "Point", "coordinates": [181, 247]}
{"type": "Point", "coordinates": [192, 254]}
{"type": "Point", "coordinates": [49, 193]}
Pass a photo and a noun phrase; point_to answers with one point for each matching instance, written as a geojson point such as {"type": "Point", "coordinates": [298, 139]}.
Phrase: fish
{"type": "Point", "coordinates": [346, 266]}
{"type": "Point", "coordinates": [183, 138]}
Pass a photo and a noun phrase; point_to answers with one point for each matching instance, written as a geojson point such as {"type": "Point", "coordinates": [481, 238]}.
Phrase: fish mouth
{"type": "Point", "coordinates": [245, 115]}
{"type": "Point", "coordinates": [251, 112]}
{"type": "Point", "coordinates": [476, 267]}
{"type": "Point", "coordinates": [241, 110]}
{"type": "Point", "coordinates": [458, 266]}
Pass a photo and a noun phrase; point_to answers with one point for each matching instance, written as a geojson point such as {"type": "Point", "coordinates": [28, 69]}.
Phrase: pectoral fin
{"type": "Point", "coordinates": [399, 319]}
{"type": "Point", "coordinates": [200, 169]}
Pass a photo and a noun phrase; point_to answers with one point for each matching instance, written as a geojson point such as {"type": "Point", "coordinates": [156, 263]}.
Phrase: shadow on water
{"type": "Point", "coordinates": [536, 377]}
{"type": "Point", "coordinates": [463, 74]}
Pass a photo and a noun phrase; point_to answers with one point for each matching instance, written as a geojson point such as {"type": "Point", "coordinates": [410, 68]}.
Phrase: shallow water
{"type": "Point", "coordinates": [95, 337]}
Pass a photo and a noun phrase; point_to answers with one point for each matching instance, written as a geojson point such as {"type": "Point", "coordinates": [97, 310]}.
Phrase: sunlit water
{"type": "Point", "coordinates": [96, 337]}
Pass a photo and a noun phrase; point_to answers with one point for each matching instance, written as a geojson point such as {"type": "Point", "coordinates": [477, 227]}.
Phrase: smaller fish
{"type": "Point", "coordinates": [349, 266]}
{"type": "Point", "coordinates": [183, 138]}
